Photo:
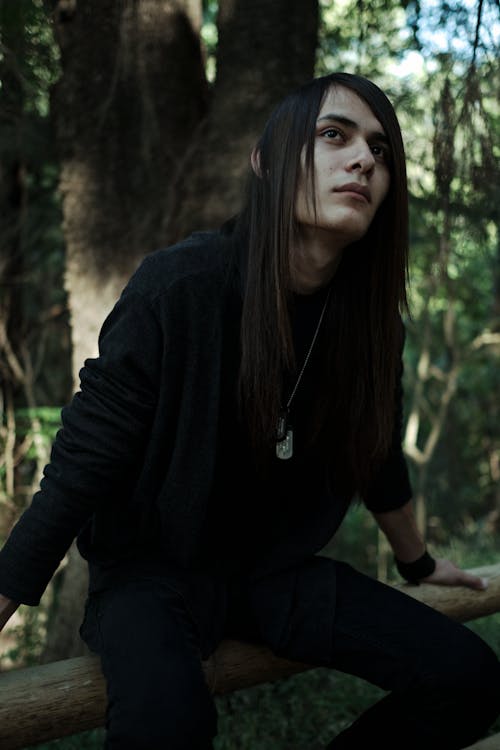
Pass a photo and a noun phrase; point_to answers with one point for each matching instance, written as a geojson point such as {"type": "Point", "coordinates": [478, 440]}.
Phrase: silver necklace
{"type": "Point", "coordinates": [284, 431]}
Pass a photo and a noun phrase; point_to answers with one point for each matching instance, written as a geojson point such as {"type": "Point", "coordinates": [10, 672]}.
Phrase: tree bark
{"type": "Point", "coordinates": [147, 153]}
{"type": "Point", "coordinates": [131, 92]}
{"type": "Point", "coordinates": [264, 51]}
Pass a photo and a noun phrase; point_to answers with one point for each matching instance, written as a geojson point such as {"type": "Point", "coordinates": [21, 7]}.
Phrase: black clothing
{"type": "Point", "coordinates": [289, 513]}
{"type": "Point", "coordinates": [157, 694]}
{"type": "Point", "coordinates": [136, 463]}
{"type": "Point", "coordinates": [444, 679]}
{"type": "Point", "coordinates": [132, 468]}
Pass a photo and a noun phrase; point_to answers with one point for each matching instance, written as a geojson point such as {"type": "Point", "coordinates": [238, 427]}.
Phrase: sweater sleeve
{"type": "Point", "coordinates": [391, 488]}
{"type": "Point", "coordinates": [104, 431]}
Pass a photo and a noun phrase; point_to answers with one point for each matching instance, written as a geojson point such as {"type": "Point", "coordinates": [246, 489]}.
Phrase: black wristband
{"type": "Point", "coordinates": [414, 572]}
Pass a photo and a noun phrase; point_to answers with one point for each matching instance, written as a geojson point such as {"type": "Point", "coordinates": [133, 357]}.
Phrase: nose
{"type": "Point", "coordinates": [360, 157]}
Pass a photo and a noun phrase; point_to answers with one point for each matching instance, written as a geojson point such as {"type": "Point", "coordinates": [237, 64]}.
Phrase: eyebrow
{"type": "Point", "coordinates": [378, 134]}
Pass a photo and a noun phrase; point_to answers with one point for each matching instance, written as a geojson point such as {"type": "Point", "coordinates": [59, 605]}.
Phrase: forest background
{"type": "Point", "coordinates": [126, 124]}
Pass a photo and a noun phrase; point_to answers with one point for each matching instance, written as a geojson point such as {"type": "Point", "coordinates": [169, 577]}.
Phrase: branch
{"type": "Point", "coordinates": [486, 338]}
{"type": "Point", "coordinates": [476, 36]}
{"type": "Point", "coordinates": [12, 360]}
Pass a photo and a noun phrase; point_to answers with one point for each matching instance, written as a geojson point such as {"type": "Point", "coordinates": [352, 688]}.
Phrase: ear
{"type": "Point", "coordinates": [255, 161]}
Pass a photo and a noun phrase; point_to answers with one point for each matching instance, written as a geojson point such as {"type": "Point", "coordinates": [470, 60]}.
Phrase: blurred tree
{"type": "Point", "coordinates": [264, 50]}
{"type": "Point", "coordinates": [455, 188]}
{"type": "Point", "coordinates": [32, 305]}
{"type": "Point", "coordinates": [12, 198]}
{"type": "Point", "coordinates": [447, 101]}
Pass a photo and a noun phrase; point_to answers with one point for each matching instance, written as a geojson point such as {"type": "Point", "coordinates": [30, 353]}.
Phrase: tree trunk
{"type": "Point", "coordinates": [12, 261]}
{"type": "Point", "coordinates": [264, 51]}
{"type": "Point", "coordinates": [145, 156]}
{"type": "Point", "coordinates": [131, 92]}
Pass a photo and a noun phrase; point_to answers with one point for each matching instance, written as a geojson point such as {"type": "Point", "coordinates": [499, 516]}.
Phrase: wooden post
{"type": "Point", "coordinates": [53, 700]}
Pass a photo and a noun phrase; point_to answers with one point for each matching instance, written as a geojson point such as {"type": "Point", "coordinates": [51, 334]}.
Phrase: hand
{"type": "Point", "coordinates": [447, 574]}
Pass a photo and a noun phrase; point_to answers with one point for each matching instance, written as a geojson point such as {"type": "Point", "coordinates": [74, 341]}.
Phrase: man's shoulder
{"type": "Point", "coordinates": [203, 255]}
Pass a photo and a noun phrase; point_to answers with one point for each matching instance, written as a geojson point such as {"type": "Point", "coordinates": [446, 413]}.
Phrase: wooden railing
{"type": "Point", "coordinates": [54, 700]}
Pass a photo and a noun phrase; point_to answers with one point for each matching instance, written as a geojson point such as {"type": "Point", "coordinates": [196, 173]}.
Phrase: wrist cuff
{"type": "Point", "coordinates": [413, 572]}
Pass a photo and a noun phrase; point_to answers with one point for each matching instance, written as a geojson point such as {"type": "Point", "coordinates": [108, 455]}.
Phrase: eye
{"type": "Point", "coordinates": [332, 133]}
{"type": "Point", "coordinates": [379, 151]}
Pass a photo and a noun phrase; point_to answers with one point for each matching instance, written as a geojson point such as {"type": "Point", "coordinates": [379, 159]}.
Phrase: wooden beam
{"type": "Point", "coordinates": [490, 743]}
{"type": "Point", "coordinates": [53, 700]}
{"type": "Point", "coordinates": [458, 602]}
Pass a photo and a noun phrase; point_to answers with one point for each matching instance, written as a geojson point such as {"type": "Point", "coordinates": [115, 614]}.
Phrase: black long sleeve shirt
{"type": "Point", "coordinates": [147, 469]}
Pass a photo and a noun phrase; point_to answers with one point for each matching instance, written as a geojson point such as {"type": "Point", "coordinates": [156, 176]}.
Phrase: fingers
{"type": "Point", "coordinates": [475, 582]}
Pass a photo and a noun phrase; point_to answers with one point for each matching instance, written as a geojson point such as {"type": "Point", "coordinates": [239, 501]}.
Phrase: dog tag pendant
{"type": "Point", "coordinates": [284, 448]}
{"type": "Point", "coordinates": [282, 426]}
{"type": "Point", "coordinates": [284, 437]}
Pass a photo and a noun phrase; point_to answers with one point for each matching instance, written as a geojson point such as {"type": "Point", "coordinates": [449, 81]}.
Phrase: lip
{"type": "Point", "coordinates": [355, 187]}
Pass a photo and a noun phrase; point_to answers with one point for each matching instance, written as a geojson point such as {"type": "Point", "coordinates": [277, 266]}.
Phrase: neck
{"type": "Point", "coordinates": [315, 261]}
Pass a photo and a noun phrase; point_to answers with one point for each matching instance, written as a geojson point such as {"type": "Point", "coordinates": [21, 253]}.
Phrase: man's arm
{"type": "Point", "coordinates": [7, 609]}
{"type": "Point", "coordinates": [94, 457]}
{"type": "Point", "coordinates": [400, 528]}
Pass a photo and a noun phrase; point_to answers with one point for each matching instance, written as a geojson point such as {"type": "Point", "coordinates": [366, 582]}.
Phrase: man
{"type": "Point", "coordinates": [248, 387]}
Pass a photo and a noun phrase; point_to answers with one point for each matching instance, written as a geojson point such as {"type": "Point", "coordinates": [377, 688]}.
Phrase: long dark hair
{"type": "Point", "coordinates": [362, 331]}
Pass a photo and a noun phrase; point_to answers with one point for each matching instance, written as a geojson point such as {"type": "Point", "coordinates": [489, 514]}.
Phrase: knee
{"type": "Point", "coordinates": [474, 678]}
{"type": "Point", "coordinates": [181, 717]}
{"type": "Point", "coordinates": [483, 680]}
{"type": "Point", "coordinates": [476, 666]}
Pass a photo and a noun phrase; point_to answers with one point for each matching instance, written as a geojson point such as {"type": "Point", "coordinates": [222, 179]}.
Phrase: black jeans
{"type": "Point", "coordinates": [443, 681]}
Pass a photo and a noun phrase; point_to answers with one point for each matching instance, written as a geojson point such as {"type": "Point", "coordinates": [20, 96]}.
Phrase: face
{"type": "Point", "coordinates": [351, 171]}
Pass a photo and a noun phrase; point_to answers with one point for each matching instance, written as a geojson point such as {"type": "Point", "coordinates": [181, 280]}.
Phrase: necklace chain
{"type": "Point", "coordinates": [284, 432]}
{"type": "Point", "coordinates": [311, 347]}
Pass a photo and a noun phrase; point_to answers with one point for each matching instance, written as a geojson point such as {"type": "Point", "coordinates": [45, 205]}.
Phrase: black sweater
{"type": "Point", "coordinates": [138, 460]}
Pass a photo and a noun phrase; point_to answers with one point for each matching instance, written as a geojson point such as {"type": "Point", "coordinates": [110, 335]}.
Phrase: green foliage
{"type": "Point", "coordinates": [35, 431]}
{"type": "Point", "coordinates": [209, 36]}
{"type": "Point", "coordinates": [85, 741]}
{"type": "Point", "coordinates": [448, 105]}
{"type": "Point", "coordinates": [29, 638]}
{"type": "Point", "coordinates": [300, 713]}
{"type": "Point", "coordinates": [31, 285]}
{"type": "Point", "coordinates": [40, 423]}
{"type": "Point", "coordinates": [38, 68]}
{"type": "Point", "coordinates": [353, 39]}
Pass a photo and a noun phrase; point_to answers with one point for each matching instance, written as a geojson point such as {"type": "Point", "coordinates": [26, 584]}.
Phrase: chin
{"type": "Point", "coordinates": [350, 232]}
{"type": "Point", "coordinates": [351, 223]}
